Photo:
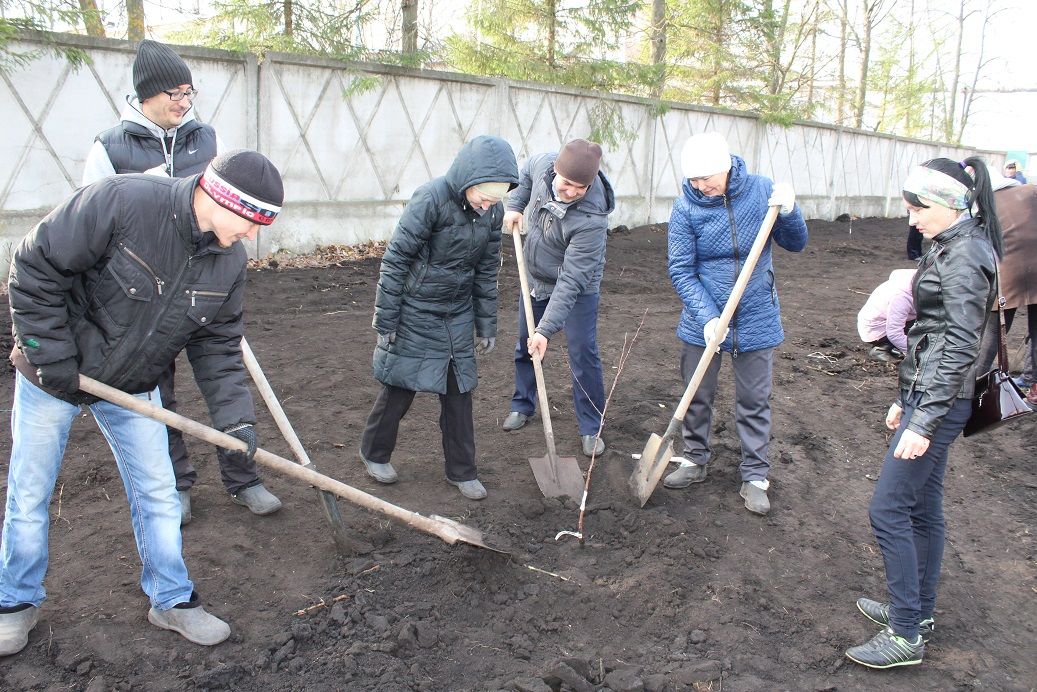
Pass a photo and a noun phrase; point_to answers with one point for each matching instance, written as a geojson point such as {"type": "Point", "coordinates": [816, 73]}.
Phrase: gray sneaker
{"type": "Point", "coordinates": [383, 473]}
{"type": "Point", "coordinates": [593, 446]}
{"type": "Point", "coordinates": [195, 624]}
{"type": "Point", "coordinates": [887, 649]}
{"type": "Point", "coordinates": [685, 475]}
{"type": "Point", "coordinates": [15, 628]}
{"type": "Point", "coordinates": [755, 498]}
{"type": "Point", "coordinates": [185, 506]}
{"type": "Point", "coordinates": [879, 614]}
{"type": "Point", "coordinates": [514, 421]}
{"type": "Point", "coordinates": [258, 499]}
{"type": "Point", "coordinates": [472, 489]}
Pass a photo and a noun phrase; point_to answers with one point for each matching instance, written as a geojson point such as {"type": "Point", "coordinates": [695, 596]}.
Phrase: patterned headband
{"type": "Point", "coordinates": [937, 187]}
{"type": "Point", "coordinates": [241, 203]}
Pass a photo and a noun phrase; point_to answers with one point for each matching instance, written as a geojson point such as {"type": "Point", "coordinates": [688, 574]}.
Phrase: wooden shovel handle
{"type": "Point", "coordinates": [538, 368]}
{"type": "Point", "coordinates": [725, 319]}
{"type": "Point", "coordinates": [286, 467]}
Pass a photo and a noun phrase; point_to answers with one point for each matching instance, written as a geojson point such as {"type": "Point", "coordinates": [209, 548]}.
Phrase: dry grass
{"type": "Point", "coordinates": [322, 256]}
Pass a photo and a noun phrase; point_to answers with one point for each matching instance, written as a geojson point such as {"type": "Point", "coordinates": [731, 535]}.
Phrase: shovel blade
{"type": "Point", "coordinates": [650, 467]}
{"type": "Point", "coordinates": [558, 477]}
{"type": "Point", "coordinates": [459, 533]}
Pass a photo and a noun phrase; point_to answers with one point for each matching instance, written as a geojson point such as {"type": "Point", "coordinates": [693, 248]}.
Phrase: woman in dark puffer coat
{"type": "Point", "coordinates": [437, 292]}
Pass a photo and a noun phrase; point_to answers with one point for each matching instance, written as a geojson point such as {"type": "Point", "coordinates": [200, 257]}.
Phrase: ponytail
{"type": "Point", "coordinates": [983, 199]}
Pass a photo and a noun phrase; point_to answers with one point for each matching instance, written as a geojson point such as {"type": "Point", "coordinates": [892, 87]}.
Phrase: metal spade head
{"type": "Point", "coordinates": [558, 477]}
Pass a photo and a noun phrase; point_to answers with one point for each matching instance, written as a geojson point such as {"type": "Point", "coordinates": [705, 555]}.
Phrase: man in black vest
{"type": "Point", "coordinates": [159, 134]}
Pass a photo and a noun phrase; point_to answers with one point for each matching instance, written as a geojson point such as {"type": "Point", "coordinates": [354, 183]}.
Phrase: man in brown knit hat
{"type": "Point", "coordinates": [563, 200]}
{"type": "Point", "coordinates": [160, 134]}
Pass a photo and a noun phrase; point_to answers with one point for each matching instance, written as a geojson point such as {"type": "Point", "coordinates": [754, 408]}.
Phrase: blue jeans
{"type": "Point", "coordinates": [907, 517]}
{"type": "Point", "coordinates": [581, 333]}
{"type": "Point", "coordinates": [39, 432]}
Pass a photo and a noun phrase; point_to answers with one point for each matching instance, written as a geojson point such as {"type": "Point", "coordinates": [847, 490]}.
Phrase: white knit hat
{"type": "Point", "coordinates": [705, 154]}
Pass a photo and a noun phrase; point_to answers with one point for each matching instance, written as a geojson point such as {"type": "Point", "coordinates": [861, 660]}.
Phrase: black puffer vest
{"type": "Point", "coordinates": [132, 148]}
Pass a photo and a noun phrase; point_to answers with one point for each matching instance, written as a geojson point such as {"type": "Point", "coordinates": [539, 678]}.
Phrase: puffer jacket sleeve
{"type": "Point", "coordinates": [519, 197]}
{"type": "Point", "coordinates": [790, 230]}
{"type": "Point", "coordinates": [484, 287]}
{"type": "Point", "coordinates": [583, 256]}
{"type": "Point", "coordinates": [683, 267]}
{"type": "Point", "coordinates": [411, 235]}
{"type": "Point", "coordinates": [901, 310]}
{"type": "Point", "coordinates": [67, 242]}
{"type": "Point", "coordinates": [215, 355]}
{"type": "Point", "coordinates": [966, 283]}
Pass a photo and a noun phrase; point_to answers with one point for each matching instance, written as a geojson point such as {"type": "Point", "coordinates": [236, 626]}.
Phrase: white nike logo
{"type": "Point", "coordinates": [191, 151]}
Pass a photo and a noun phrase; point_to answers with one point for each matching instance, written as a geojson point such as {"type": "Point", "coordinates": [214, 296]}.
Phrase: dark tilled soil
{"type": "Point", "coordinates": [690, 592]}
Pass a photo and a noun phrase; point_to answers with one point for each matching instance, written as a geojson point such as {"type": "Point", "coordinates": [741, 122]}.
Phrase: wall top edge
{"type": "Point", "coordinates": [125, 46]}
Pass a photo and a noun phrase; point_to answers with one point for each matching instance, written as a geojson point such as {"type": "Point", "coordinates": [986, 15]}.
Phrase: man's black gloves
{"type": "Point", "coordinates": [245, 432]}
{"type": "Point", "coordinates": [62, 376]}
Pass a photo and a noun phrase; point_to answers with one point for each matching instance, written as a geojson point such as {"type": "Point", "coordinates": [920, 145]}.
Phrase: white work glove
{"type": "Point", "coordinates": [711, 329]}
{"type": "Point", "coordinates": [485, 345]}
{"type": "Point", "coordinates": [385, 339]}
{"type": "Point", "coordinates": [782, 196]}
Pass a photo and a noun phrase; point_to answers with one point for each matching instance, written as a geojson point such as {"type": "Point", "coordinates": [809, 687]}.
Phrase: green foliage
{"type": "Point", "coordinates": [551, 42]}
{"type": "Point", "coordinates": [609, 127]}
{"type": "Point", "coordinates": [25, 15]}
{"type": "Point", "coordinates": [316, 28]}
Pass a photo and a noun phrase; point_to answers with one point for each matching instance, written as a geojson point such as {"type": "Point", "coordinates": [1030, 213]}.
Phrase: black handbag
{"type": "Point", "coordinates": [996, 400]}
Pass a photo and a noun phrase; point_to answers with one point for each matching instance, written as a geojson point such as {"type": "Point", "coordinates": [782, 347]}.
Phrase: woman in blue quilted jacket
{"type": "Point", "coordinates": [712, 228]}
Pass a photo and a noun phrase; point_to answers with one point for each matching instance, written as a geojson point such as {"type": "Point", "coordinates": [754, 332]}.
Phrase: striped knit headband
{"type": "Point", "coordinates": [241, 203]}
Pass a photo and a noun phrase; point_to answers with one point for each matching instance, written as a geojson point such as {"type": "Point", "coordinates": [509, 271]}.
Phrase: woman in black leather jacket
{"type": "Point", "coordinates": [952, 205]}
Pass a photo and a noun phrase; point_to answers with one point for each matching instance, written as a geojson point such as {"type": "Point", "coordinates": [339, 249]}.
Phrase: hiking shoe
{"type": "Point", "coordinates": [593, 446]}
{"type": "Point", "coordinates": [1031, 395]}
{"type": "Point", "coordinates": [383, 473]}
{"type": "Point", "coordinates": [879, 614]}
{"type": "Point", "coordinates": [514, 421]}
{"type": "Point", "coordinates": [755, 498]}
{"type": "Point", "coordinates": [472, 489]}
{"type": "Point", "coordinates": [685, 475]}
{"type": "Point", "coordinates": [887, 649]}
{"type": "Point", "coordinates": [258, 499]}
{"type": "Point", "coordinates": [185, 506]}
{"type": "Point", "coordinates": [195, 624]}
{"type": "Point", "coordinates": [15, 628]}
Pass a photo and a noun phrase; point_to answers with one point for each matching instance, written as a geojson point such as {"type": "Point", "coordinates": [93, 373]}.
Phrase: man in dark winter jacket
{"type": "Point", "coordinates": [437, 294]}
{"type": "Point", "coordinates": [113, 284]}
{"type": "Point", "coordinates": [567, 200]}
{"type": "Point", "coordinates": [160, 134]}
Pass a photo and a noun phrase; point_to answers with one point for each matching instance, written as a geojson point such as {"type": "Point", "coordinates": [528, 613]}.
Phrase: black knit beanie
{"type": "Point", "coordinates": [245, 182]}
{"type": "Point", "coordinates": [157, 68]}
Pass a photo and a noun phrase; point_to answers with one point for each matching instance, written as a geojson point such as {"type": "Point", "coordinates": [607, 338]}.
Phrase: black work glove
{"type": "Point", "coordinates": [245, 432]}
{"type": "Point", "coordinates": [62, 376]}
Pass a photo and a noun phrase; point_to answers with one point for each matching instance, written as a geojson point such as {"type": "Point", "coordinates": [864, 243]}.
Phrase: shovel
{"type": "Point", "coordinates": [657, 452]}
{"type": "Point", "coordinates": [557, 476]}
{"type": "Point", "coordinates": [446, 529]}
{"type": "Point", "coordinates": [343, 541]}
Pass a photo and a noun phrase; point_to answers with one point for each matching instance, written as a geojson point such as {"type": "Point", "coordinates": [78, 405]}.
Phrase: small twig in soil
{"type": "Point", "coordinates": [824, 356]}
{"type": "Point", "coordinates": [624, 354]}
{"type": "Point", "coordinates": [323, 603]}
{"type": "Point", "coordinates": [827, 372]}
{"type": "Point", "coordinates": [550, 574]}
{"type": "Point", "coordinates": [854, 290]}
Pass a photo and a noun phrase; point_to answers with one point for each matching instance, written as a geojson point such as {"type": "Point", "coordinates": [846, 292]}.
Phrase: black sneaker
{"type": "Point", "coordinates": [879, 614]}
{"type": "Point", "coordinates": [887, 649]}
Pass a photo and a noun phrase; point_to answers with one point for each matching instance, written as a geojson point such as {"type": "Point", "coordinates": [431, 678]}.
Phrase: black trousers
{"type": "Point", "coordinates": [455, 421]}
{"type": "Point", "coordinates": [236, 470]}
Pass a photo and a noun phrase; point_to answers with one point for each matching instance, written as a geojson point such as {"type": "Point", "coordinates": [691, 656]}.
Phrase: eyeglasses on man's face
{"type": "Point", "coordinates": [181, 95]}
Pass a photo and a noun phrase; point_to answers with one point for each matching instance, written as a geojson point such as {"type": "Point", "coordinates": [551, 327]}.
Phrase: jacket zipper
{"type": "Point", "coordinates": [211, 294]}
{"type": "Point", "coordinates": [154, 277]}
{"type": "Point", "coordinates": [738, 268]}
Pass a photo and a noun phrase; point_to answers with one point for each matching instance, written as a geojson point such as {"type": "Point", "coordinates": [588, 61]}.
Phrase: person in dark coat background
{"type": "Point", "coordinates": [437, 293]}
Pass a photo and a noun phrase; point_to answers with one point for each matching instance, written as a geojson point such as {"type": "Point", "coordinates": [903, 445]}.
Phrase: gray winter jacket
{"type": "Point", "coordinates": [438, 279]}
{"type": "Point", "coordinates": [565, 244]}
{"type": "Point", "coordinates": [121, 278]}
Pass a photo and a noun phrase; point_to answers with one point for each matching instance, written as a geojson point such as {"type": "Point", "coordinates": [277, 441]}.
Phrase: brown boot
{"type": "Point", "coordinates": [1031, 395]}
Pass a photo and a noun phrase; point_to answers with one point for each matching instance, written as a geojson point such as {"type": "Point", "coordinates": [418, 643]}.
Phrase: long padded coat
{"type": "Point", "coordinates": [438, 282]}
{"type": "Point", "coordinates": [709, 238]}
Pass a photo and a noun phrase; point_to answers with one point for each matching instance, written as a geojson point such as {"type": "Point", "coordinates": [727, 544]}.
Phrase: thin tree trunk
{"type": "Point", "coordinates": [862, 88]}
{"type": "Point", "coordinates": [948, 131]}
{"type": "Point", "coordinates": [91, 18]}
{"type": "Point", "coordinates": [658, 39]}
{"type": "Point", "coordinates": [552, 28]}
{"type": "Point", "coordinates": [410, 26]}
{"type": "Point", "coordinates": [135, 20]}
{"type": "Point", "coordinates": [289, 18]}
{"type": "Point", "coordinates": [840, 112]}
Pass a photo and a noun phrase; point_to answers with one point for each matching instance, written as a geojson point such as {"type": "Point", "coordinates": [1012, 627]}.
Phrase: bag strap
{"type": "Point", "coordinates": [1002, 332]}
